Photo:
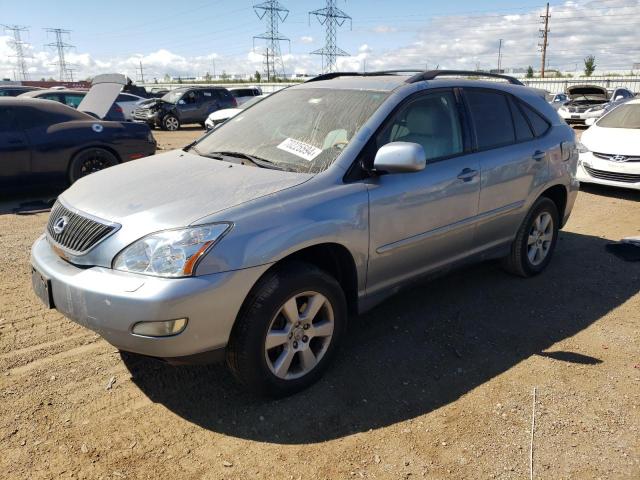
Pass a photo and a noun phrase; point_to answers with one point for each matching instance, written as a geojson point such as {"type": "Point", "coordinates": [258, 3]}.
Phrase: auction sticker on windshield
{"type": "Point", "coordinates": [300, 149]}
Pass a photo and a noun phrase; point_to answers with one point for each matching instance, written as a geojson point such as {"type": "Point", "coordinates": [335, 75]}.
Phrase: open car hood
{"type": "Point", "coordinates": [587, 90]}
{"type": "Point", "coordinates": [104, 91]}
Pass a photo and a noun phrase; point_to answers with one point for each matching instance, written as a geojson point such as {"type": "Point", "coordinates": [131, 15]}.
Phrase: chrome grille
{"type": "Point", "coordinates": [80, 233]}
{"type": "Point", "coordinates": [607, 156]}
{"type": "Point", "coordinates": [612, 176]}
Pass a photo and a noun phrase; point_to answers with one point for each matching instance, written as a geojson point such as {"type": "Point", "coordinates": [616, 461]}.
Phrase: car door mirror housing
{"type": "Point", "coordinates": [400, 157]}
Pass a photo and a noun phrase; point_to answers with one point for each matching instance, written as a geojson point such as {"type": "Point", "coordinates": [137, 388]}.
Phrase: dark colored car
{"type": "Point", "coordinates": [184, 105]}
{"type": "Point", "coordinates": [15, 90]}
{"type": "Point", "coordinates": [48, 142]}
{"type": "Point", "coordinates": [72, 98]}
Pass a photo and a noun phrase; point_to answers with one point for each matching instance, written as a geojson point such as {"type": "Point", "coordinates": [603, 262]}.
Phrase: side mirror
{"type": "Point", "coordinates": [400, 157]}
{"type": "Point", "coordinates": [590, 121]}
{"type": "Point", "coordinates": [181, 102]}
{"type": "Point", "coordinates": [618, 97]}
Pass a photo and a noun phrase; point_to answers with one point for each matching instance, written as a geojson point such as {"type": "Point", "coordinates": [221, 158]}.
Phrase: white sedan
{"type": "Point", "coordinates": [221, 116]}
{"type": "Point", "coordinates": [610, 148]}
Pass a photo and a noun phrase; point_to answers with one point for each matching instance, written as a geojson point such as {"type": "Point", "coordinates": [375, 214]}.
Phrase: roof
{"type": "Point", "coordinates": [36, 93]}
{"type": "Point", "coordinates": [39, 103]}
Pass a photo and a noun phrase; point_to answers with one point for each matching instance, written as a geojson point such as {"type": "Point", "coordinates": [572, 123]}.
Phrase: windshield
{"type": "Point", "coordinates": [625, 116]}
{"type": "Point", "coordinates": [303, 130]}
{"type": "Point", "coordinates": [248, 103]}
{"type": "Point", "coordinates": [173, 96]}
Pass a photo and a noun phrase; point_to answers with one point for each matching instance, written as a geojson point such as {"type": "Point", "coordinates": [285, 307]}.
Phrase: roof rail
{"type": "Point", "coordinates": [332, 75]}
{"type": "Point", "coordinates": [432, 74]}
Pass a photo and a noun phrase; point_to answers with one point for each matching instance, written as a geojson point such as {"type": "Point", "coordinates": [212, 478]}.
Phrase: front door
{"type": "Point", "coordinates": [189, 107]}
{"type": "Point", "coordinates": [421, 221]}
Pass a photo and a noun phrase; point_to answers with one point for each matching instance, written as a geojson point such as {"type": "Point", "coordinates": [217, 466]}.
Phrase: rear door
{"type": "Point", "coordinates": [15, 154]}
{"type": "Point", "coordinates": [423, 220]}
{"type": "Point", "coordinates": [210, 103]}
{"type": "Point", "coordinates": [513, 162]}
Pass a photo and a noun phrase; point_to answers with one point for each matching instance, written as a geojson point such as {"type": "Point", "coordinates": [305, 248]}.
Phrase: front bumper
{"type": "Point", "coordinates": [592, 169]}
{"type": "Point", "coordinates": [579, 117]}
{"type": "Point", "coordinates": [110, 302]}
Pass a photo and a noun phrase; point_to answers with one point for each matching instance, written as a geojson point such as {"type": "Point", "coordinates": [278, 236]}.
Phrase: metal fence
{"type": "Point", "coordinates": [266, 87]}
{"type": "Point", "coordinates": [558, 85]}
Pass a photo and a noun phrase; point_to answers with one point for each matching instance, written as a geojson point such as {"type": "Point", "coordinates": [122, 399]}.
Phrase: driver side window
{"type": "Point", "coordinates": [191, 98]}
{"type": "Point", "coordinates": [431, 121]}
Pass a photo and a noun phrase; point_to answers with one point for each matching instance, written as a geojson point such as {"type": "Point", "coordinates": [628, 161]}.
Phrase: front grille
{"type": "Point", "coordinates": [607, 156]}
{"type": "Point", "coordinates": [80, 233]}
{"type": "Point", "coordinates": [612, 176]}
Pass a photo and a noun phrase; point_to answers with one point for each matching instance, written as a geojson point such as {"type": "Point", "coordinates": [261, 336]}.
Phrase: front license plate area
{"type": "Point", "coordinates": [575, 116]}
{"type": "Point", "coordinates": [42, 288]}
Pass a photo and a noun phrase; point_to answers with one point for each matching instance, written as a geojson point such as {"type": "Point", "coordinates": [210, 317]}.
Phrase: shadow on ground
{"type": "Point", "coordinates": [416, 352]}
{"type": "Point", "coordinates": [613, 192]}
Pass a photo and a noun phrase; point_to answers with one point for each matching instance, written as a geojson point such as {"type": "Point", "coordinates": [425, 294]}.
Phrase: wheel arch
{"type": "Point", "coordinates": [84, 148]}
{"type": "Point", "coordinates": [557, 194]}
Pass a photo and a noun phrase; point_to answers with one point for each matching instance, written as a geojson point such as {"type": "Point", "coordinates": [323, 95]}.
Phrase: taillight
{"type": "Point", "coordinates": [118, 108]}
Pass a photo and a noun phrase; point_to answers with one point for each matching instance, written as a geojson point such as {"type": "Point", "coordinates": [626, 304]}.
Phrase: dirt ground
{"type": "Point", "coordinates": [437, 382]}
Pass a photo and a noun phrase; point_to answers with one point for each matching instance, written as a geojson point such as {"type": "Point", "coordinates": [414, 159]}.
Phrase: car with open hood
{"type": "Point", "coordinates": [590, 101]}
{"type": "Point", "coordinates": [255, 243]}
{"type": "Point", "coordinates": [47, 142]}
{"type": "Point", "coordinates": [183, 105]}
{"type": "Point", "coordinates": [610, 148]}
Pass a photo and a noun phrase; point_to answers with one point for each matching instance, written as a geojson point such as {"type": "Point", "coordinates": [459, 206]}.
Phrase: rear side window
{"type": "Point", "coordinates": [491, 117]}
{"type": "Point", "coordinates": [73, 100]}
{"type": "Point", "coordinates": [538, 123]}
{"type": "Point", "coordinates": [50, 96]}
{"type": "Point", "coordinates": [521, 125]}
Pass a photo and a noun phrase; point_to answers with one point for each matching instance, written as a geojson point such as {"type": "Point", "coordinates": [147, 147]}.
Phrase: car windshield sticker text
{"type": "Point", "coordinates": [300, 149]}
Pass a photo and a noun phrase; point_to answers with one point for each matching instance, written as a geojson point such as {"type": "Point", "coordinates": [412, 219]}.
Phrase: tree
{"type": "Point", "coordinates": [225, 76]}
{"type": "Point", "coordinates": [167, 78]}
{"type": "Point", "coordinates": [257, 76]}
{"type": "Point", "coordinates": [589, 65]}
{"type": "Point", "coordinates": [529, 71]}
{"type": "Point", "coordinates": [207, 77]}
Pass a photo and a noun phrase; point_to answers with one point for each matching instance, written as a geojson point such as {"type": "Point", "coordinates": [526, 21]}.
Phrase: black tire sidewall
{"type": "Point", "coordinates": [75, 168]}
{"type": "Point", "coordinates": [250, 364]}
{"type": "Point", "coordinates": [542, 205]}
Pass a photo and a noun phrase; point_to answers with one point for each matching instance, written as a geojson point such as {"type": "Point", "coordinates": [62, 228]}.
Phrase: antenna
{"type": "Point", "coordinates": [332, 18]}
{"type": "Point", "coordinates": [274, 12]}
{"type": "Point", "coordinates": [65, 69]}
{"type": "Point", "coordinates": [18, 46]}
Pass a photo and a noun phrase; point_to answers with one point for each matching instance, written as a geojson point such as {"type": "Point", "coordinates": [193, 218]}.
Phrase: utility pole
{"type": "Point", "coordinates": [66, 72]}
{"type": "Point", "coordinates": [332, 18]}
{"type": "Point", "coordinates": [141, 70]}
{"type": "Point", "coordinates": [545, 39]}
{"type": "Point", "coordinates": [274, 13]}
{"type": "Point", "coordinates": [499, 54]}
{"type": "Point", "coordinates": [18, 47]}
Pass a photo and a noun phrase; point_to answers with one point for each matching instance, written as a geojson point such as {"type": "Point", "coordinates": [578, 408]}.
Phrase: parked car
{"type": "Point", "coordinates": [589, 101]}
{"type": "Point", "coordinates": [257, 241]}
{"type": "Point", "coordinates": [157, 92]}
{"type": "Point", "coordinates": [182, 106]}
{"type": "Point", "coordinates": [244, 94]}
{"type": "Point", "coordinates": [221, 116]}
{"type": "Point", "coordinates": [558, 99]}
{"type": "Point", "coordinates": [47, 142]}
{"type": "Point", "coordinates": [610, 148]}
{"type": "Point", "coordinates": [72, 98]}
{"type": "Point", "coordinates": [15, 90]}
{"type": "Point", "coordinates": [128, 103]}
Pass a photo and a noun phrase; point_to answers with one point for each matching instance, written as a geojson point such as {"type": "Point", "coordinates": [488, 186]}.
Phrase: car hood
{"type": "Point", "coordinates": [615, 141]}
{"type": "Point", "coordinates": [154, 102]}
{"type": "Point", "coordinates": [173, 189]}
{"type": "Point", "coordinates": [588, 90]}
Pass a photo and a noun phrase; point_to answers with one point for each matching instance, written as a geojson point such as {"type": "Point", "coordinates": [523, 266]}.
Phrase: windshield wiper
{"type": "Point", "coordinates": [257, 161]}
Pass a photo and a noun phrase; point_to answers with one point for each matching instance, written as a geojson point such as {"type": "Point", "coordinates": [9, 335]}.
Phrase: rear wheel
{"type": "Point", "coordinates": [288, 330]}
{"type": "Point", "coordinates": [170, 123]}
{"type": "Point", "coordinates": [535, 241]}
{"type": "Point", "coordinates": [90, 161]}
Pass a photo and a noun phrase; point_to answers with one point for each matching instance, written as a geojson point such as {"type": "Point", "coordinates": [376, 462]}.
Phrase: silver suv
{"type": "Point", "coordinates": [256, 242]}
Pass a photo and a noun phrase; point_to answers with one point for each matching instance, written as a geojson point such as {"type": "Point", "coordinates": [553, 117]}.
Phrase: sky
{"type": "Point", "coordinates": [186, 38]}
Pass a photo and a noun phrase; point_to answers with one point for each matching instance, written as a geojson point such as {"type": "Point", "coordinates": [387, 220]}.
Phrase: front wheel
{"type": "Point", "coordinates": [535, 241]}
{"type": "Point", "coordinates": [170, 123]}
{"type": "Point", "coordinates": [288, 330]}
{"type": "Point", "coordinates": [90, 161]}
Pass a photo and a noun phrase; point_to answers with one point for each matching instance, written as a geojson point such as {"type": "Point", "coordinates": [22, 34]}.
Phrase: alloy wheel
{"type": "Point", "coordinates": [540, 238]}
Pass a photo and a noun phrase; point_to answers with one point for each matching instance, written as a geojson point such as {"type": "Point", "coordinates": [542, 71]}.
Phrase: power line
{"type": "Point", "coordinates": [18, 47]}
{"type": "Point", "coordinates": [332, 18]}
{"type": "Point", "coordinates": [545, 39]}
{"type": "Point", "coordinates": [274, 13]}
{"type": "Point", "coordinates": [65, 69]}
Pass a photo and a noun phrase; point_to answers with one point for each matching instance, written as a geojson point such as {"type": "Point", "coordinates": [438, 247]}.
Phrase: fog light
{"type": "Point", "coordinates": [160, 329]}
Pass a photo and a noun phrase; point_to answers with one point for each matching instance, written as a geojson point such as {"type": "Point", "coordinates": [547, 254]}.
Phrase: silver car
{"type": "Point", "coordinates": [258, 241]}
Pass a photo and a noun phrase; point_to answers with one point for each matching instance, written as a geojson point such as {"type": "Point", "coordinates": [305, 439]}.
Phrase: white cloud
{"type": "Point", "coordinates": [604, 28]}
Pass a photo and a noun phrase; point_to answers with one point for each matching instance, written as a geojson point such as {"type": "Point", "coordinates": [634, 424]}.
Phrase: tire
{"type": "Point", "coordinates": [533, 247]}
{"type": "Point", "coordinates": [170, 123]}
{"type": "Point", "coordinates": [296, 357]}
{"type": "Point", "coordinates": [89, 161]}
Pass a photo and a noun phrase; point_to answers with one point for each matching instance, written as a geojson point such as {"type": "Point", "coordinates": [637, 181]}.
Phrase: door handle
{"type": "Point", "coordinates": [467, 174]}
{"type": "Point", "coordinates": [538, 155]}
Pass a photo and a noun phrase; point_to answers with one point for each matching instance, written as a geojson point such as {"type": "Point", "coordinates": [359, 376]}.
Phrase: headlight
{"type": "Point", "coordinates": [581, 148]}
{"type": "Point", "coordinates": [597, 108]}
{"type": "Point", "coordinates": [171, 253]}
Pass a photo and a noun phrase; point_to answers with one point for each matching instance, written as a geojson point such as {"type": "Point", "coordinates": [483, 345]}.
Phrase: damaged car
{"type": "Point", "coordinates": [184, 105]}
{"type": "Point", "coordinates": [45, 142]}
{"type": "Point", "coordinates": [589, 101]}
